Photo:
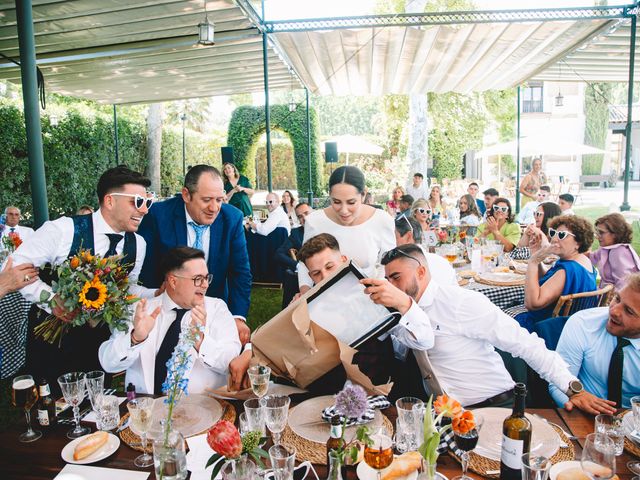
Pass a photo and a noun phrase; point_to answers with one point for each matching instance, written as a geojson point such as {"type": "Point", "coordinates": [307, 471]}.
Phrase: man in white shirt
{"type": "Point", "coordinates": [565, 202]}
{"type": "Point", "coordinates": [526, 215]}
{"type": "Point", "coordinates": [145, 348]}
{"type": "Point", "coordinates": [13, 217]}
{"type": "Point", "coordinates": [418, 189]}
{"type": "Point", "coordinates": [277, 217]}
{"type": "Point", "coordinates": [466, 326]}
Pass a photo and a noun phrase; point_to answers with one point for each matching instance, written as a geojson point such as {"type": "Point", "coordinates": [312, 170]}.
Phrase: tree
{"type": "Point", "coordinates": [596, 109]}
{"type": "Point", "coordinates": [154, 144]}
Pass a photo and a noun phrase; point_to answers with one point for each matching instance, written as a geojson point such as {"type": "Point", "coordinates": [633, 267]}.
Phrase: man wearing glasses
{"type": "Point", "coordinates": [124, 201]}
{"type": "Point", "coordinates": [144, 350]}
{"type": "Point", "coordinates": [277, 217]}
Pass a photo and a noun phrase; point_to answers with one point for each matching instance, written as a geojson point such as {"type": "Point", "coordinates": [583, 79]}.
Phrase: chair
{"type": "Point", "coordinates": [569, 304]}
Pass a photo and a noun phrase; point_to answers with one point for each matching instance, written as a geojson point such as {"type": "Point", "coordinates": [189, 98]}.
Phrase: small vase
{"type": "Point", "coordinates": [169, 457]}
{"type": "Point", "coordinates": [427, 471]}
{"type": "Point", "coordinates": [239, 469]}
{"type": "Point", "coordinates": [335, 466]}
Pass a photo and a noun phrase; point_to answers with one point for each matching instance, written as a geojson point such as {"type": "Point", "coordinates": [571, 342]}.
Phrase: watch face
{"type": "Point", "coordinates": [576, 386]}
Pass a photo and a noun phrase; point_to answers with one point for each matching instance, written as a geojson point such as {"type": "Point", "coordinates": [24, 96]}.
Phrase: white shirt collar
{"type": "Point", "coordinates": [100, 225]}
{"type": "Point", "coordinates": [167, 303]}
{"type": "Point", "coordinates": [429, 295]}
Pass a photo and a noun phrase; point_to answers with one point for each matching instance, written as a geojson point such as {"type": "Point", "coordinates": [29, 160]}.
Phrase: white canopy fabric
{"type": "Point", "coordinates": [354, 144]}
{"type": "Point", "coordinates": [539, 145]}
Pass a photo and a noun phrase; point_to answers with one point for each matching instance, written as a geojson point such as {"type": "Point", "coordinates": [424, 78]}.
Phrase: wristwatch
{"type": "Point", "coordinates": [575, 387]}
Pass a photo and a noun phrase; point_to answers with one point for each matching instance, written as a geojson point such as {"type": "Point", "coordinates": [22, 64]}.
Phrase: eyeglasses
{"type": "Point", "coordinates": [498, 208]}
{"type": "Point", "coordinates": [198, 280]}
{"type": "Point", "coordinates": [395, 253]}
{"type": "Point", "coordinates": [423, 211]}
{"type": "Point", "coordinates": [600, 233]}
{"type": "Point", "coordinates": [138, 200]}
{"type": "Point", "coordinates": [270, 202]}
{"type": "Point", "coordinates": [562, 234]}
{"type": "Point", "coordinates": [538, 214]}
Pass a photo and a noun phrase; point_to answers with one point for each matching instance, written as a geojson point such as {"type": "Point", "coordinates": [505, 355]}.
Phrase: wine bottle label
{"type": "Point", "coordinates": [43, 417]}
{"type": "Point", "coordinates": [44, 390]}
{"type": "Point", "coordinates": [512, 452]}
{"type": "Point", "coordinates": [336, 431]}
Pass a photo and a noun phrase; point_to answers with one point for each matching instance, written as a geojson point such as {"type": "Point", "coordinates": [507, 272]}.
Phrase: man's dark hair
{"type": "Point", "coordinates": [175, 258]}
{"type": "Point", "coordinates": [405, 224]}
{"type": "Point", "coordinates": [546, 188]}
{"type": "Point", "coordinates": [317, 244]}
{"type": "Point", "coordinates": [567, 197]}
{"type": "Point", "coordinates": [550, 210]}
{"type": "Point", "coordinates": [117, 177]}
{"type": "Point", "coordinates": [474, 183]}
{"type": "Point", "coordinates": [491, 191]}
{"type": "Point", "coordinates": [300, 204]}
{"type": "Point", "coordinates": [407, 251]}
{"type": "Point", "coordinates": [407, 199]}
{"type": "Point", "coordinates": [418, 175]}
{"type": "Point", "coordinates": [194, 174]}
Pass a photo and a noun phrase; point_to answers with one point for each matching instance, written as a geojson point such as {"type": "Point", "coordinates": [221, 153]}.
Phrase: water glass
{"type": "Point", "coordinates": [418, 420]}
{"type": "Point", "coordinates": [73, 390]}
{"type": "Point", "coordinates": [635, 406]}
{"type": "Point", "coordinates": [239, 469]}
{"type": "Point", "coordinates": [406, 417]}
{"type": "Point", "coordinates": [611, 426]}
{"type": "Point", "coordinates": [535, 467]}
{"type": "Point", "coordinates": [282, 461]}
{"type": "Point", "coordinates": [107, 411]}
{"type": "Point", "coordinates": [169, 457]}
{"type": "Point", "coordinates": [255, 415]}
{"type": "Point", "coordinates": [95, 386]}
{"type": "Point", "coordinates": [400, 439]}
{"type": "Point", "coordinates": [276, 409]}
{"type": "Point", "coordinates": [598, 457]}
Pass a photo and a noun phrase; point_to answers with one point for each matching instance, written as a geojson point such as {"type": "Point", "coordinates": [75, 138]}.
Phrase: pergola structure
{"type": "Point", "coordinates": [126, 51]}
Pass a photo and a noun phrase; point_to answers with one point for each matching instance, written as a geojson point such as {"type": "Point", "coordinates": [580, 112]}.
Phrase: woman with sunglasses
{"type": "Point", "coordinates": [238, 189]}
{"type": "Point", "coordinates": [500, 226]}
{"type": "Point", "coordinates": [616, 258]}
{"type": "Point", "coordinates": [543, 213]}
{"type": "Point", "coordinates": [421, 211]}
{"type": "Point", "coordinates": [393, 205]}
{"type": "Point", "coordinates": [362, 231]}
{"type": "Point", "coordinates": [438, 207]}
{"type": "Point", "coordinates": [469, 213]}
{"type": "Point", "coordinates": [571, 237]}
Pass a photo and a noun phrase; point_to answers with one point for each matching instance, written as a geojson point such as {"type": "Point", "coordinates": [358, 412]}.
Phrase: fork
{"type": "Point", "coordinates": [566, 434]}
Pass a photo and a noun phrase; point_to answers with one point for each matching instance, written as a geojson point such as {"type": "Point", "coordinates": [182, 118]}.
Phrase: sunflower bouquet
{"type": "Point", "coordinates": [93, 289]}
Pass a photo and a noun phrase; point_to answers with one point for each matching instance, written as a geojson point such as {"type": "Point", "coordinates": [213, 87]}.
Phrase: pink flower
{"type": "Point", "coordinates": [224, 439]}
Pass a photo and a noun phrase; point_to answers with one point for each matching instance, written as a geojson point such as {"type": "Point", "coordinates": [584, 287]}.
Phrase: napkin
{"type": "Point", "coordinates": [374, 402]}
{"type": "Point", "coordinates": [86, 472]}
{"type": "Point", "coordinates": [247, 393]}
{"type": "Point", "coordinates": [91, 416]}
{"type": "Point", "coordinates": [198, 456]}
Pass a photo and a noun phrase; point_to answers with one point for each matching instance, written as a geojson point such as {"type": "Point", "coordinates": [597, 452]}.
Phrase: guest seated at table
{"type": "Point", "coordinates": [526, 215]}
{"type": "Point", "coordinates": [469, 214]}
{"type": "Point", "coordinates": [565, 201]}
{"type": "Point", "coordinates": [288, 205]}
{"type": "Point", "coordinates": [421, 211]}
{"type": "Point", "coordinates": [472, 190]}
{"type": "Point", "coordinates": [602, 347]}
{"type": "Point", "coordinates": [571, 237]}
{"type": "Point", "coordinates": [277, 217]}
{"type": "Point", "coordinates": [616, 257]}
{"type": "Point", "coordinates": [405, 205]}
{"type": "Point", "coordinates": [500, 226]}
{"type": "Point", "coordinates": [14, 278]}
{"type": "Point", "coordinates": [490, 196]}
{"type": "Point", "coordinates": [294, 241]}
{"type": "Point", "coordinates": [467, 327]}
{"type": "Point", "coordinates": [544, 212]}
{"type": "Point", "coordinates": [393, 205]}
{"type": "Point", "coordinates": [145, 348]}
{"type": "Point", "coordinates": [438, 206]}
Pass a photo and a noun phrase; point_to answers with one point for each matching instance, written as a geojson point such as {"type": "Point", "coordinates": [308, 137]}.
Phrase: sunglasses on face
{"type": "Point", "coordinates": [562, 234]}
{"type": "Point", "coordinates": [538, 214]}
{"type": "Point", "coordinates": [498, 208]}
{"type": "Point", "coordinates": [423, 211]}
{"type": "Point", "coordinates": [138, 200]}
{"type": "Point", "coordinates": [395, 253]}
{"type": "Point", "coordinates": [270, 202]}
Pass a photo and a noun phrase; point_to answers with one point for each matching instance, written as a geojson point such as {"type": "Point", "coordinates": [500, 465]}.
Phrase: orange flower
{"type": "Point", "coordinates": [463, 423]}
{"type": "Point", "coordinates": [131, 298]}
{"type": "Point", "coordinates": [447, 406]}
{"type": "Point", "coordinates": [103, 262]}
{"type": "Point", "coordinates": [75, 263]}
{"type": "Point", "coordinates": [463, 235]}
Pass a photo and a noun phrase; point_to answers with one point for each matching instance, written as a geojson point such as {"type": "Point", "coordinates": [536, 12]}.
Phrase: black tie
{"type": "Point", "coordinates": [166, 350]}
{"type": "Point", "coordinates": [13, 229]}
{"type": "Point", "coordinates": [614, 382]}
{"type": "Point", "coordinates": [114, 239]}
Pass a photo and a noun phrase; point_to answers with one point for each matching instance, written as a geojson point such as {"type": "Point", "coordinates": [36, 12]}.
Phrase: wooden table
{"type": "Point", "coordinates": [41, 459]}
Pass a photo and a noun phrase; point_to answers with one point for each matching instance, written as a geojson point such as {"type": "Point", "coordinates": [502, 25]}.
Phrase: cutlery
{"type": "Point", "coordinates": [123, 426]}
{"type": "Point", "coordinates": [566, 434]}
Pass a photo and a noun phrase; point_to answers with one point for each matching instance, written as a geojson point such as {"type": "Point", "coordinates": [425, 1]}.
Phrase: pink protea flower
{"type": "Point", "coordinates": [224, 439]}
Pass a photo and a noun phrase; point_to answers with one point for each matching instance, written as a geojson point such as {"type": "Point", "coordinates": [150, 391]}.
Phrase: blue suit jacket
{"type": "Point", "coordinates": [165, 227]}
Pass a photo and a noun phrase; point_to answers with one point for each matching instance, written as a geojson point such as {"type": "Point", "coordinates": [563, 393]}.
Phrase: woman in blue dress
{"type": "Point", "coordinates": [570, 237]}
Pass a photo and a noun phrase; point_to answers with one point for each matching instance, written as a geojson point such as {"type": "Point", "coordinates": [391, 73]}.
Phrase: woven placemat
{"type": "Point", "coordinates": [481, 465]}
{"type": "Point", "coordinates": [515, 283]}
{"type": "Point", "coordinates": [463, 282]}
{"type": "Point", "coordinates": [133, 440]}
{"type": "Point", "coordinates": [314, 452]}
{"type": "Point", "coordinates": [630, 446]}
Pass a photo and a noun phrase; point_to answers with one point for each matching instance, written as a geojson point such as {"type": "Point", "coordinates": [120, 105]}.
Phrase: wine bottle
{"type": "Point", "coordinates": [516, 437]}
{"type": "Point", "coordinates": [335, 442]}
{"type": "Point", "coordinates": [46, 409]}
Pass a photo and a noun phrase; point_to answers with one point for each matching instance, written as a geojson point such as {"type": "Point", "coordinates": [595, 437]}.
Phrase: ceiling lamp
{"type": "Point", "coordinates": [205, 30]}
{"type": "Point", "coordinates": [559, 97]}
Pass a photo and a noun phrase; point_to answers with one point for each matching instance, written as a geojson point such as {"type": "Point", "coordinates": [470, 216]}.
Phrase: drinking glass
{"type": "Point", "coordinates": [73, 390]}
{"type": "Point", "coordinates": [107, 411]}
{"type": "Point", "coordinates": [255, 416]}
{"type": "Point", "coordinates": [406, 418]}
{"type": "Point", "coordinates": [450, 253]}
{"type": "Point", "coordinates": [611, 426]}
{"type": "Point", "coordinates": [282, 461]}
{"type": "Point", "coordinates": [169, 457]}
{"type": "Point", "coordinates": [535, 467]}
{"type": "Point", "coordinates": [380, 454]}
{"type": "Point", "coordinates": [418, 419]}
{"type": "Point", "coordinates": [276, 410]}
{"type": "Point", "coordinates": [141, 414]}
{"type": "Point", "coordinates": [400, 439]}
{"type": "Point", "coordinates": [25, 396]}
{"type": "Point", "coordinates": [635, 406]}
{"type": "Point", "coordinates": [95, 386]}
{"type": "Point", "coordinates": [467, 442]}
{"type": "Point", "coordinates": [598, 456]}
{"type": "Point", "coordinates": [259, 377]}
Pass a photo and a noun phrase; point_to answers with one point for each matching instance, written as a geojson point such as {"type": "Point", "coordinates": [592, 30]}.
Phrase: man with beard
{"type": "Point", "coordinates": [602, 346]}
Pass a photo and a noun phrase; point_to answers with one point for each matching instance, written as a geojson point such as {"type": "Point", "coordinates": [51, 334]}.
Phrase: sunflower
{"type": "Point", "coordinates": [93, 294]}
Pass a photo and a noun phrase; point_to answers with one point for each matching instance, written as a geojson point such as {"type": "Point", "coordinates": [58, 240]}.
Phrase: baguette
{"type": "Point", "coordinates": [89, 445]}
{"type": "Point", "coordinates": [402, 466]}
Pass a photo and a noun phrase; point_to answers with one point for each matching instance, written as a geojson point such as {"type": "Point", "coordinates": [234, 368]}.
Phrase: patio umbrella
{"type": "Point", "coordinates": [540, 145]}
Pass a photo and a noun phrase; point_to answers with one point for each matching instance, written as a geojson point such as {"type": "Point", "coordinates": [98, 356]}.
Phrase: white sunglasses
{"type": "Point", "coordinates": [138, 200]}
{"type": "Point", "coordinates": [562, 234]}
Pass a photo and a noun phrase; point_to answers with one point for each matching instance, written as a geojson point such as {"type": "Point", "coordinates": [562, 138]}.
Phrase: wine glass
{"type": "Point", "coordinates": [467, 442]}
{"type": "Point", "coordinates": [73, 390]}
{"type": "Point", "coordinates": [276, 408]}
{"type": "Point", "coordinates": [379, 455]}
{"type": "Point", "coordinates": [141, 414]}
{"type": "Point", "coordinates": [599, 456]}
{"type": "Point", "coordinates": [95, 386]}
{"type": "Point", "coordinates": [25, 395]}
{"type": "Point", "coordinates": [259, 378]}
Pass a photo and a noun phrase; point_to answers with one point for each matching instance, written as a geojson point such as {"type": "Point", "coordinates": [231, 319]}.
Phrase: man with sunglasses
{"type": "Point", "coordinates": [143, 350]}
{"type": "Point", "coordinates": [111, 230]}
{"type": "Point", "coordinates": [277, 217]}
{"type": "Point", "coordinates": [467, 327]}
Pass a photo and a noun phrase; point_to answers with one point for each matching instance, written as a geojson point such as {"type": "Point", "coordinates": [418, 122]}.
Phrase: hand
{"type": "Point", "coordinates": [383, 293]}
{"type": "Point", "coordinates": [198, 319]}
{"type": "Point", "coordinates": [492, 225]}
{"type": "Point", "coordinates": [244, 332]}
{"type": "Point", "coordinates": [540, 254]}
{"type": "Point", "coordinates": [238, 371]}
{"type": "Point", "coordinates": [589, 403]}
{"type": "Point", "coordinates": [143, 322]}
{"type": "Point", "coordinates": [60, 311]}
{"type": "Point", "coordinates": [12, 279]}
{"type": "Point", "coordinates": [295, 298]}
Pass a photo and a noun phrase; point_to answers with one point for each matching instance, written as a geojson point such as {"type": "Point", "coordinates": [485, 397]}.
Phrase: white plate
{"type": "Point", "coordinates": [103, 452]}
{"type": "Point", "coordinates": [561, 467]}
{"type": "Point", "coordinates": [544, 439]}
{"type": "Point", "coordinates": [629, 427]}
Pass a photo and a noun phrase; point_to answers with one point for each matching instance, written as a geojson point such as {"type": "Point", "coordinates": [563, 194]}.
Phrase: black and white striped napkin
{"type": "Point", "coordinates": [374, 402]}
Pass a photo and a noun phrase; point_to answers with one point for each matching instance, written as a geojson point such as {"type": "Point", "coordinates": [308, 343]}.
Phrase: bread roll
{"type": "Point", "coordinates": [89, 445]}
{"type": "Point", "coordinates": [402, 466]}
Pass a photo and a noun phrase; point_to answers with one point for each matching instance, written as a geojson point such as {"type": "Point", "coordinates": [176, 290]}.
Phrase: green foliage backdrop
{"type": "Point", "coordinates": [596, 109]}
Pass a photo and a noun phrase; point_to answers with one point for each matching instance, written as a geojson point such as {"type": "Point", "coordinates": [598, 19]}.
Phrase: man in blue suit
{"type": "Point", "coordinates": [199, 218]}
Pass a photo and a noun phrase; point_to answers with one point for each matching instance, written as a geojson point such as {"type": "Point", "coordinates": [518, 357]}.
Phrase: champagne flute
{"type": "Point", "coordinates": [25, 395]}
{"type": "Point", "coordinates": [73, 390]}
{"type": "Point", "coordinates": [276, 408]}
{"type": "Point", "coordinates": [379, 455]}
{"type": "Point", "coordinates": [599, 456]}
{"type": "Point", "coordinates": [259, 378]}
{"type": "Point", "coordinates": [467, 442]}
{"type": "Point", "coordinates": [141, 414]}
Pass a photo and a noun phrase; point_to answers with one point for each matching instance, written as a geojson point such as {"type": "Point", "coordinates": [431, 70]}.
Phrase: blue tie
{"type": "Point", "coordinates": [199, 229]}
